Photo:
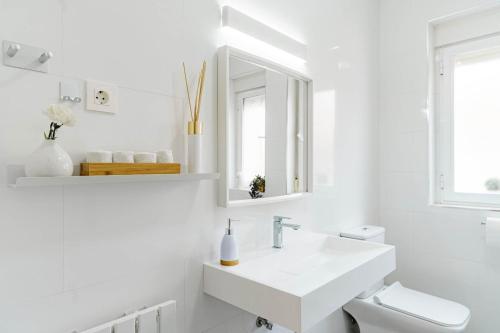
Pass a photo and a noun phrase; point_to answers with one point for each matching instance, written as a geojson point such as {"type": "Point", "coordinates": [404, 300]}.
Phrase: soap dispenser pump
{"type": "Point", "coordinates": [229, 254]}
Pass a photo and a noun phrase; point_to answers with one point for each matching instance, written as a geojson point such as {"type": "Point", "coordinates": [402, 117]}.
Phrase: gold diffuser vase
{"type": "Point", "coordinates": [195, 125]}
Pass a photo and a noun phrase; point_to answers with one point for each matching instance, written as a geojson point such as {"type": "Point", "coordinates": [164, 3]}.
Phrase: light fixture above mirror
{"type": "Point", "coordinates": [251, 35]}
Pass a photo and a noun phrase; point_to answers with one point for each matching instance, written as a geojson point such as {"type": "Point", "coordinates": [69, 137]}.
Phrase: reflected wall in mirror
{"type": "Point", "coordinates": [264, 130]}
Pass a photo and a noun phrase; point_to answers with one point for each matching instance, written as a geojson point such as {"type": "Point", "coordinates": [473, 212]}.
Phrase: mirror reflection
{"type": "Point", "coordinates": [267, 128]}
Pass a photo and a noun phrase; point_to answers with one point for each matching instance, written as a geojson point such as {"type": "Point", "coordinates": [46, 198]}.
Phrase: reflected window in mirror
{"type": "Point", "coordinates": [252, 135]}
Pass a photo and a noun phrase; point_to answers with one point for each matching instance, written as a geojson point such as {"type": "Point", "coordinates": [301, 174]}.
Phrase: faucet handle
{"type": "Point", "coordinates": [280, 218]}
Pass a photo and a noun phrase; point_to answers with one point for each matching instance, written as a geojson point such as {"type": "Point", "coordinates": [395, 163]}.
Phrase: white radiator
{"type": "Point", "coordinates": [160, 318]}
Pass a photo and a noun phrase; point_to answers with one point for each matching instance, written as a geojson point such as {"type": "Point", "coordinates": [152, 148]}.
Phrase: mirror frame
{"type": "Point", "coordinates": [224, 54]}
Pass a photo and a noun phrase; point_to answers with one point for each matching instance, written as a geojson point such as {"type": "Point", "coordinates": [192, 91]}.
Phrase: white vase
{"type": "Point", "coordinates": [49, 160]}
{"type": "Point", "coordinates": [194, 153]}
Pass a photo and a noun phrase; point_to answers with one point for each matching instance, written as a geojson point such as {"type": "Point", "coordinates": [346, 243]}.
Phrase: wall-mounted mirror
{"type": "Point", "coordinates": [265, 118]}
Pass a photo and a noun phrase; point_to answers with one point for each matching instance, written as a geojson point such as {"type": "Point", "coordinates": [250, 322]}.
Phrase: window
{"type": "Point", "coordinates": [252, 136]}
{"type": "Point", "coordinates": [467, 123]}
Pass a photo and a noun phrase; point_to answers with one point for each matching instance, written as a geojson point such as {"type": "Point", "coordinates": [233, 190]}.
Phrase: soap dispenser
{"type": "Point", "coordinates": [229, 254]}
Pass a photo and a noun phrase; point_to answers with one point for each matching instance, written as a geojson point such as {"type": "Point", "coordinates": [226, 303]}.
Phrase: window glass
{"type": "Point", "coordinates": [253, 138]}
{"type": "Point", "coordinates": [476, 121]}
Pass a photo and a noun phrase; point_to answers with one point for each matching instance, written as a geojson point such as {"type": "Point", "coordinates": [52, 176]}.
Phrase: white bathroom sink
{"type": "Point", "coordinates": [297, 286]}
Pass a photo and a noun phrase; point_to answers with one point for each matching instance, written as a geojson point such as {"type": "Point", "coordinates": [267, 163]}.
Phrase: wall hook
{"type": "Point", "coordinates": [45, 56]}
{"type": "Point", "coordinates": [71, 99]}
{"type": "Point", "coordinates": [13, 49]}
{"type": "Point", "coordinates": [69, 91]}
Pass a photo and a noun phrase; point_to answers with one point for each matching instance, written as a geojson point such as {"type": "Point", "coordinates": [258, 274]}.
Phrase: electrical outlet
{"type": "Point", "coordinates": [102, 97]}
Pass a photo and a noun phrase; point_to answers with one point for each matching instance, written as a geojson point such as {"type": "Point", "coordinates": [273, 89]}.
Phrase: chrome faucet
{"type": "Point", "coordinates": [278, 225]}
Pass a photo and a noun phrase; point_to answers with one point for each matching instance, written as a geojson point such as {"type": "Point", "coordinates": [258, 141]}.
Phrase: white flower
{"type": "Point", "coordinates": [61, 114]}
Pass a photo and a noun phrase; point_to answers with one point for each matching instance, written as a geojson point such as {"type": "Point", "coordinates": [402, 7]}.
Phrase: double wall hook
{"type": "Point", "coordinates": [25, 56]}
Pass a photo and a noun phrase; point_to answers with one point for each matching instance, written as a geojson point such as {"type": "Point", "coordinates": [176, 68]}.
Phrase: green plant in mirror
{"type": "Point", "coordinates": [257, 187]}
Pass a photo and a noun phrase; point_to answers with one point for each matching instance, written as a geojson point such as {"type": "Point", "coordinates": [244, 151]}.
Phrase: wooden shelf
{"type": "Point", "coordinates": [84, 180]}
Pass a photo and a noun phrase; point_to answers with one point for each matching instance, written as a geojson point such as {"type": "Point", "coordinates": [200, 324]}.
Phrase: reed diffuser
{"type": "Point", "coordinates": [195, 124]}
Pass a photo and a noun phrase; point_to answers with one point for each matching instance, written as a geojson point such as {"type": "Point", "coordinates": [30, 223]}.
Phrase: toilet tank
{"type": "Point", "coordinates": [371, 233]}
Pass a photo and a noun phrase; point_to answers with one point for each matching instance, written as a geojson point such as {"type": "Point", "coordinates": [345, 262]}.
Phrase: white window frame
{"type": "Point", "coordinates": [444, 193]}
{"type": "Point", "coordinates": [239, 101]}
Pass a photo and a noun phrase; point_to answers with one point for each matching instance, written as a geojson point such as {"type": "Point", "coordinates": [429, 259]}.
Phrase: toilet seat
{"type": "Point", "coordinates": [423, 306]}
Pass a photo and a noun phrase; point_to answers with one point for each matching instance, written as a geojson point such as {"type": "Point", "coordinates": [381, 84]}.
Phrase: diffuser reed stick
{"type": "Point", "coordinates": [194, 126]}
{"type": "Point", "coordinates": [188, 94]}
{"type": "Point", "coordinates": [200, 91]}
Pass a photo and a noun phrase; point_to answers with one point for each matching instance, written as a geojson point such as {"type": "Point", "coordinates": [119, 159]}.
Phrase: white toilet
{"type": "Point", "coordinates": [396, 309]}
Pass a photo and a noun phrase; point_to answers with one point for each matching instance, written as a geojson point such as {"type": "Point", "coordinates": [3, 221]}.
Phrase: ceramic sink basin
{"type": "Point", "coordinates": [297, 286]}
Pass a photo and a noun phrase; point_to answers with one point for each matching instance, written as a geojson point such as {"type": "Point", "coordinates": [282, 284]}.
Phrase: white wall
{"type": "Point", "coordinates": [76, 256]}
{"type": "Point", "coordinates": [439, 250]}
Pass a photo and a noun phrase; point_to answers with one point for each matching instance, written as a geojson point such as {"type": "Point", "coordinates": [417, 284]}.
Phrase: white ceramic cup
{"type": "Point", "coordinates": [123, 157]}
{"type": "Point", "coordinates": [164, 156]}
{"type": "Point", "coordinates": [99, 156]}
{"type": "Point", "coordinates": [145, 157]}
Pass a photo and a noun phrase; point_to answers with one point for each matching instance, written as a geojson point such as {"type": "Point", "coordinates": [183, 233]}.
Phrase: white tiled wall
{"type": "Point", "coordinates": [76, 256]}
{"type": "Point", "coordinates": [440, 251]}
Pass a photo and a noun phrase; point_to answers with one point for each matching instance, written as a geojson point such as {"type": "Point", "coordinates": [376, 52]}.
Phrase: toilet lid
{"type": "Point", "coordinates": [427, 307]}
